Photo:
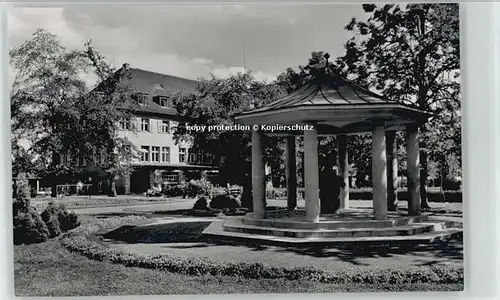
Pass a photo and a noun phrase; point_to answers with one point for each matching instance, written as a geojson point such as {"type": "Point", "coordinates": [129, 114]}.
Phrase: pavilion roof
{"type": "Point", "coordinates": [333, 90]}
{"type": "Point", "coordinates": [337, 103]}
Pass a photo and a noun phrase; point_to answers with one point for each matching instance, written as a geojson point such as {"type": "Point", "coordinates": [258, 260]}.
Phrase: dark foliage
{"type": "Point", "coordinates": [224, 201]}
{"type": "Point", "coordinates": [201, 204]}
{"type": "Point", "coordinates": [59, 220]}
{"type": "Point", "coordinates": [29, 228]}
{"type": "Point", "coordinates": [178, 190]}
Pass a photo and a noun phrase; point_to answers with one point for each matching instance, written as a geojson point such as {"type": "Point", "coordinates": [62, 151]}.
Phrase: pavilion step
{"type": "Point", "coordinates": [334, 224]}
{"type": "Point", "coordinates": [234, 225]}
{"type": "Point", "coordinates": [216, 232]}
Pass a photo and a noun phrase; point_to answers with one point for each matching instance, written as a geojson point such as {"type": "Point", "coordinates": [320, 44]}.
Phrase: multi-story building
{"type": "Point", "coordinates": [161, 159]}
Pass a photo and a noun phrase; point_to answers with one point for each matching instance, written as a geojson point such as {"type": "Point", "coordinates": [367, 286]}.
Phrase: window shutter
{"type": "Point", "coordinates": [138, 121]}
{"type": "Point", "coordinates": [160, 122]}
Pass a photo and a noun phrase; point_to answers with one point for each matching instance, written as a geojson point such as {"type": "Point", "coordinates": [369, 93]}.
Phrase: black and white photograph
{"type": "Point", "coordinates": [176, 149]}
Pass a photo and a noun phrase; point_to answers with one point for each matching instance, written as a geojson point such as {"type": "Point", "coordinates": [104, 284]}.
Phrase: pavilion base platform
{"type": "Point", "coordinates": [349, 228]}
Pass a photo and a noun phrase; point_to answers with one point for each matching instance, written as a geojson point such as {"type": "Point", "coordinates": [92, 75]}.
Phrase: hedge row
{"type": "Point", "coordinates": [107, 224]}
{"type": "Point", "coordinates": [449, 196]}
{"type": "Point", "coordinates": [366, 194]}
{"type": "Point", "coordinates": [81, 243]}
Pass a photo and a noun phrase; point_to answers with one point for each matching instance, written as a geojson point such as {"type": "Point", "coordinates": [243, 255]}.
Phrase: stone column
{"type": "Point", "coordinates": [291, 173]}
{"type": "Point", "coordinates": [413, 152]}
{"type": "Point", "coordinates": [311, 178]}
{"type": "Point", "coordinates": [392, 171]}
{"type": "Point", "coordinates": [258, 176]}
{"type": "Point", "coordinates": [379, 173]}
{"type": "Point", "coordinates": [343, 167]}
{"type": "Point", "coordinates": [126, 183]}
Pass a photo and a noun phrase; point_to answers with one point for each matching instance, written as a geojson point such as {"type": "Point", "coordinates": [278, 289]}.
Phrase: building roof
{"type": "Point", "coordinates": [160, 84]}
{"type": "Point", "coordinates": [337, 105]}
{"type": "Point", "coordinates": [157, 84]}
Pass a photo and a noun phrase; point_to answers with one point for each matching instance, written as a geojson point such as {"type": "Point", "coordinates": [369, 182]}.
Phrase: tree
{"type": "Point", "coordinates": [44, 89]}
{"type": "Point", "coordinates": [100, 113]}
{"type": "Point", "coordinates": [52, 108]}
{"type": "Point", "coordinates": [411, 55]}
{"type": "Point", "coordinates": [215, 102]}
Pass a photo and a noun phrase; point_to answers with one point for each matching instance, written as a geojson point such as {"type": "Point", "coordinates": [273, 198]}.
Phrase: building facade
{"type": "Point", "coordinates": [160, 159]}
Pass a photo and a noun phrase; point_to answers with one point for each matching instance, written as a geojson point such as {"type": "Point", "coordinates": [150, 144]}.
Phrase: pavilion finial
{"type": "Point", "coordinates": [327, 69]}
{"type": "Point", "coordinates": [326, 56]}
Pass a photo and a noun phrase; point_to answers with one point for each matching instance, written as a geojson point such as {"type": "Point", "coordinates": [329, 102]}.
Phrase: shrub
{"type": "Point", "coordinates": [21, 195]}
{"type": "Point", "coordinates": [276, 193]}
{"type": "Point", "coordinates": [433, 196]}
{"type": "Point", "coordinates": [67, 220]}
{"type": "Point", "coordinates": [53, 226]}
{"type": "Point", "coordinates": [201, 204]}
{"type": "Point", "coordinates": [200, 187]}
{"type": "Point", "coordinates": [178, 190]}
{"type": "Point", "coordinates": [247, 199]}
{"type": "Point", "coordinates": [451, 185]}
{"type": "Point", "coordinates": [224, 201]}
{"type": "Point", "coordinates": [29, 228]}
{"type": "Point", "coordinates": [58, 219]}
{"type": "Point", "coordinates": [235, 211]}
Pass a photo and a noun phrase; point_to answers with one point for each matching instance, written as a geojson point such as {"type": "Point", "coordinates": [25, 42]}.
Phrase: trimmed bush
{"type": "Point", "coordinates": [29, 228]}
{"type": "Point", "coordinates": [67, 220]}
{"type": "Point", "coordinates": [178, 190]}
{"type": "Point", "coordinates": [366, 194]}
{"type": "Point", "coordinates": [235, 211]}
{"type": "Point", "coordinates": [201, 204]}
{"type": "Point", "coordinates": [224, 201]}
{"type": "Point", "coordinates": [432, 196]}
{"type": "Point", "coordinates": [58, 219]}
{"type": "Point", "coordinates": [21, 195]}
{"type": "Point", "coordinates": [275, 193]}
{"type": "Point", "coordinates": [81, 243]}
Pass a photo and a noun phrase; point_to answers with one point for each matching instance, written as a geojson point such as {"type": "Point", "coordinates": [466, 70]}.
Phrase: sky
{"type": "Point", "coordinates": [192, 41]}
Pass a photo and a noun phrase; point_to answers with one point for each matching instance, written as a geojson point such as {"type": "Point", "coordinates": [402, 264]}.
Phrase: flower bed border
{"type": "Point", "coordinates": [79, 241]}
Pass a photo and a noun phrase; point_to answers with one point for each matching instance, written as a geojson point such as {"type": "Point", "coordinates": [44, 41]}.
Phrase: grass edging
{"type": "Point", "coordinates": [79, 241]}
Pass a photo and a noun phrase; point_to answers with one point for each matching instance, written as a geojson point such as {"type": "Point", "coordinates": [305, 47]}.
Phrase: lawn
{"type": "Point", "coordinates": [49, 270]}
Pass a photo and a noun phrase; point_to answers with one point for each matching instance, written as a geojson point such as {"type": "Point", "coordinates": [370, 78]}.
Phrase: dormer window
{"type": "Point", "coordinates": [142, 98]}
{"type": "Point", "coordinates": [163, 101]}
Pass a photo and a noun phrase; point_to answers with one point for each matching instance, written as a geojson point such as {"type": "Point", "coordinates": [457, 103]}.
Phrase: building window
{"type": "Point", "coordinates": [191, 158]}
{"type": "Point", "coordinates": [182, 154]}
{"type": "Point", "coordinates": [155, 154]}
{"type": "Point", "coordinates": [164, 126]}
{"type": "Point", "coordinates": [165, 102]}
{"type": "Point", "coordinates": [144, 124]}
{"type": "Point", "coordinates": [142, 98]}
{"type": "Point", "coordinates": [145, 153]}
{"type": "Point", "coordinates": [124, 124]}
{"type": "Point", "coordinates": [170, 178]}
{"type": "Point", "coordinates": [165, 154]}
